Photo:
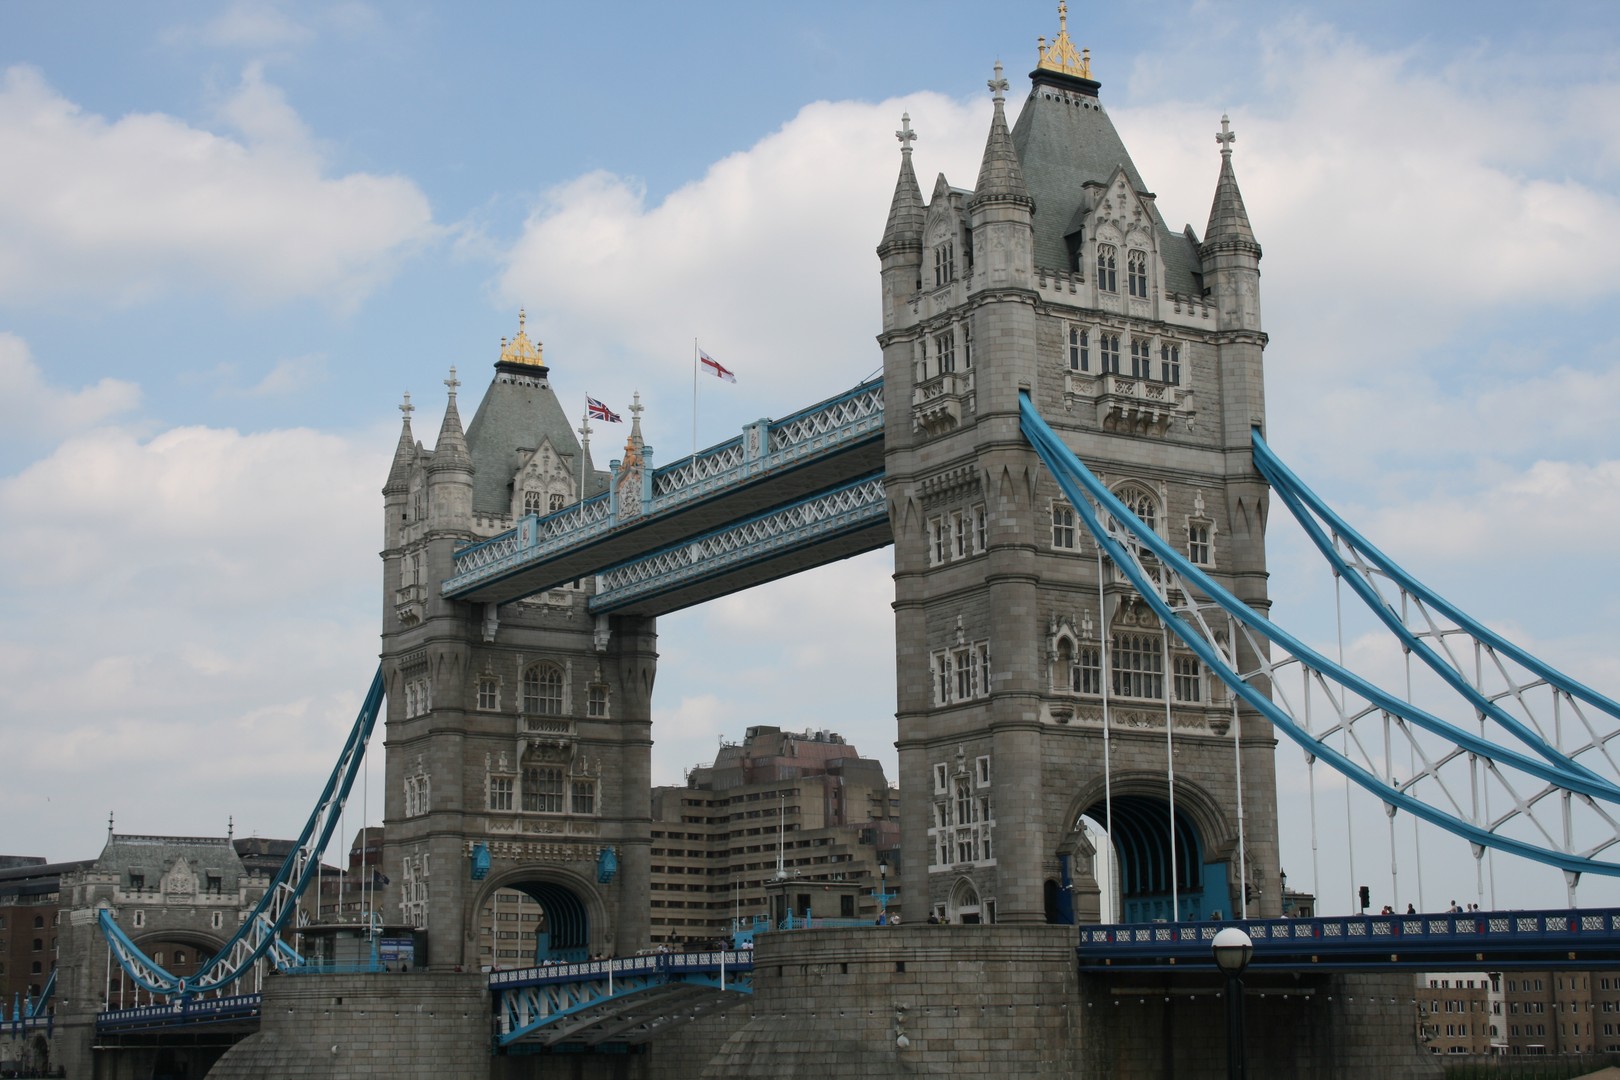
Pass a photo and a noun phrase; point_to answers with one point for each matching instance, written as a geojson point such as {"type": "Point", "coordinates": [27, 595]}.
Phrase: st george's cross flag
{"type": "Point", "coordinates": [600, 411]}
{"type": "Point", "coordinates": [715, 368]}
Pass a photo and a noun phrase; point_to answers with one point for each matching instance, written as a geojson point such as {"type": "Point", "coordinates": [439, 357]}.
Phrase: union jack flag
{"type": "Point", "coordinates": [599, 411]}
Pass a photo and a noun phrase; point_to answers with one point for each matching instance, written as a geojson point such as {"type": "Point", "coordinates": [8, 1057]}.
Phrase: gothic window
{"type": "Point", "coordinates": [944, 263]}
{"type": "Point", "coordinates": [1188, 679]}
{"type": "Point", "coordinates": [1079, 349]}
{"type": "Point", "coordinates": [981, 655]}
{"type": "Point", "coordinates": [939, 778]}
{"type": "Point", "coordinates": [584, 797]}
{"type": "Point", "coordinates": [1170, 364]}
{"type": "Point", "coordinates": [1141, 358]}
{"type": "Point", "coordinates": [1138, 666]}
{"type": "Point", "coordinates": [1062, 526]}
{"type": "Point", "coordinates": [1088, 670]}
{"type": "Point", "coordinates": [543, 790]}
{"type": "Point", "coordinates": [959, 535]}
{"type": "Point", "coordinates": [418, 696]}
{"type": "Point", "coordinates": [1136, 273]}
{"type": "Point", "coordinates": [936, 541]}
{"type": "Point", "coordinates": [981, 769]}
{"type": "Point", "coordinates": [1107, 268]}
{"type": "Point", "coordinates": [945, 349]}
{"type": "Point", "coordinates": [1108, 347]}
{"type": "Point", "coordinates": [980, 530]}
{"type": "Point", "coordinates": [966, 671]}
{"type": "Point", "coordinates": [597, 700]}
{"type": "Point", "coordinates": [967, 346]}
{"type": "Point", "coordinates": [1198, 544]}
{"type": "Point", "coordinates": [543, 690]}
{"type": "Point", "coordinates": [941, 664]}
{"type": "Point", "coordinates": [489, 693]}
{"type": "Point", "coordinates": [554, 503]}
{"type": "Point", "coordinates": [531, 502]}
{"type": "Point", "coordinates": [1140, 503]}
{"type": "Point", "coordinates": [500, 793]}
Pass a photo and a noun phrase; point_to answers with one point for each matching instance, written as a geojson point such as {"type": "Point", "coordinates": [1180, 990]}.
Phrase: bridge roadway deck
{"type": "Point", "coordinates": [772, 466]}
{"type": "Point", "coordinates": [1470, 941]}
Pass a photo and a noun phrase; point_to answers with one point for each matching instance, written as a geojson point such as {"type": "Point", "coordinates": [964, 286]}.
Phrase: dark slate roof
{"type": "Point", "coordinates": [516, 415]}
{"type": "Point", "coordinates": [1065, 140]}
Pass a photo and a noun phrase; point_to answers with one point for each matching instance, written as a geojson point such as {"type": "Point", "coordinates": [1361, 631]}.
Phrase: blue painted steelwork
{"type": "Point", "coordinates": [1303, 503]}
{"type": "Point", "coordinates": [587, 1002]}
{"type": "Point", "coordinates": [259, 935]}
{"type": "Point", "coordinates": [850, 507]}
{"type": "Point", "coordinates": [765, 448]}
{"type": "Point", "coordinates": [191, 1012]}
{"type": "Point", "coordinates": [1081, 488]}
{"type": "Point", "coordinates": [1462, 941]}
{"type": "Point", "coordinates": [32, 1013]}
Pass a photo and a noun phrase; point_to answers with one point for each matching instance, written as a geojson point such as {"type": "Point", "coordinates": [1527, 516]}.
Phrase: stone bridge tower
{"type": "Point", "coordinates": [1019, 670]}
{"type": "Point", "coordinates": [518, 735]}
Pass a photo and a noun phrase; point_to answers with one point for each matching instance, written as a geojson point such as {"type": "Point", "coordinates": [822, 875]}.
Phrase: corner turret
{"type": "Point", "coordinates": [1230, 254]}
{"type": "Point", "coordinates": [450, 473]}
{"type": "Point", "coordinates": [1001, 212]}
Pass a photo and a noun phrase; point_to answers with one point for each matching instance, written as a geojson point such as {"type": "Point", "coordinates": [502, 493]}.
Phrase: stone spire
{"type": "Point", "coordinates": [1228, 221]}
{"type": "Point", "coordinates": [451, 449]}
{"type": "Point", "coordinates": [1000, 176]}
{"type": "Point", "coordinates": [906, 210]}
{"type": "Point", "coordinates": [404, 453]}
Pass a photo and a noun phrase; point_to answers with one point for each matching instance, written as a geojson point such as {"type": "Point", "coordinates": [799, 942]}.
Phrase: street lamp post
{"type": "Point", "coordinates": [1233, 948]}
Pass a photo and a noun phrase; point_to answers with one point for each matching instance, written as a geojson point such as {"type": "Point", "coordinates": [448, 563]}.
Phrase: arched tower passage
{"type": "Point", "coordinates": [1138, 820]}
{"type": "Point", "coordinates": [571, 923]}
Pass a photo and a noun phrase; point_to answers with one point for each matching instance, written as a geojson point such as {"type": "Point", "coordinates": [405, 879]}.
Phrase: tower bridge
{"type": "Point", "coordinates": [1066, 451]}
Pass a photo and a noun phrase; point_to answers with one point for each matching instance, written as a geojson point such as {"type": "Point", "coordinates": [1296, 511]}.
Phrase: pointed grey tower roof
{"type": "Point", "coordinates": [1065, 141]}
{"type": "Point", "coordinates": [518, 413]}
{"type": "Point", "coordinates": [450, 451]}
{"type": "Point", "coordinates": [1228, 221]}
{"type": "Point", "coordinates": [905, 224]}
{"type": "Point", "coordinates": [1001, 177]}
{"type": "Point", "coordinates": [404, 453]}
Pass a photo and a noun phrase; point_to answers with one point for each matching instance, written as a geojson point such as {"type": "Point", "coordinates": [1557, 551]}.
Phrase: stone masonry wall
{"type": "Point", "coordinates": [350, 1027]}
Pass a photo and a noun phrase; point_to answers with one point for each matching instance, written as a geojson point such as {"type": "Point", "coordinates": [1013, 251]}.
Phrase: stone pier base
{"type": "Point", "coordinates": [350, 1027]}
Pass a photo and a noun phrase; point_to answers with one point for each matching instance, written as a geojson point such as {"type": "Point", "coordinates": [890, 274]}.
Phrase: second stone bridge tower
{"type": "Point", "coordinates": [1040, 704]}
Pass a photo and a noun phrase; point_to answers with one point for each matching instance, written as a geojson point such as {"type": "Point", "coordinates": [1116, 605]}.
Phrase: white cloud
{"type": "Point", "coordinates": [145, 204]}
{"type": "Point", "coordinates": [243, 25]}
{"type": "Point", "coordinates": [196, 605]}
{"type": "Point", "coordinates": [31, 406]}
{"type": "Point", "coordinates": [768, 258]}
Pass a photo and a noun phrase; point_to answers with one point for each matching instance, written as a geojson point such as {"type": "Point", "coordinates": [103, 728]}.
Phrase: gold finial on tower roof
{"type": "Point", "coordinates": [1061, 55]}
{"type": "Point", "coordinates": [520, 350]}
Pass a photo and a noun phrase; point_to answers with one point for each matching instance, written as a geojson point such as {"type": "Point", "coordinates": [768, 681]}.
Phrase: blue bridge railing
{"type": "Point", "coordinates": [191, 1011]}
{"type": "Point", "coordinates": [1468, 940]}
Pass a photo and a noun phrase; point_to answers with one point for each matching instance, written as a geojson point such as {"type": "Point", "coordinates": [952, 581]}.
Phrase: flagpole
{"type": "Point", "coordinates": [694, 397]}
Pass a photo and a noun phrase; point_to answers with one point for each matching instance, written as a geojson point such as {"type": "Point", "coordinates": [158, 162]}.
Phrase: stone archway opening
{"type": "Point", "coordinates": [525, 923]}
{"type": "Point", "coordinates": [963, 906]}
{"type": "Point", "coordinates": [1149, 871]}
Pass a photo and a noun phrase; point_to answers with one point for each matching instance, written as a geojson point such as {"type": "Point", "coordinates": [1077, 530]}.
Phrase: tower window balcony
{"type": "Point", "coordinates": [938, 404]}
{"type": "Point", "coordinates": [1128, 405]}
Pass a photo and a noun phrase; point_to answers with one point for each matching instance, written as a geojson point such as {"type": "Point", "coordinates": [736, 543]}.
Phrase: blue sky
{"type": "Point", "coordinates": [232, 235]}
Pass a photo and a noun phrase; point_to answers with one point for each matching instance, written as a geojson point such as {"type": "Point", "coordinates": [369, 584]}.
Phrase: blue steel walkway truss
{"type": "Point", "coordinates": [1549, 807]}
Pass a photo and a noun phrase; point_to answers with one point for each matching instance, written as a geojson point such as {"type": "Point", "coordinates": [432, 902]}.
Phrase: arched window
{"type": "Point", "coordinates": [1107, 268]}
{"type": "Point", "coordinates": [1140, 503]}
{"type": "Point", "coordinates": [543, 690]}
{"type": "Point", "coordinates": [531, 502]}
{"type": "Point", "coordinates": [1141, 358]}
{"type": "Point", "coordinates": [555, 503]}
{"type": "Point", "coordinates": [543, 789]}
{"type": "Point", "coordinates": [1136, 273]}
{"type": "Point", "coordinates": [39, 922]}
